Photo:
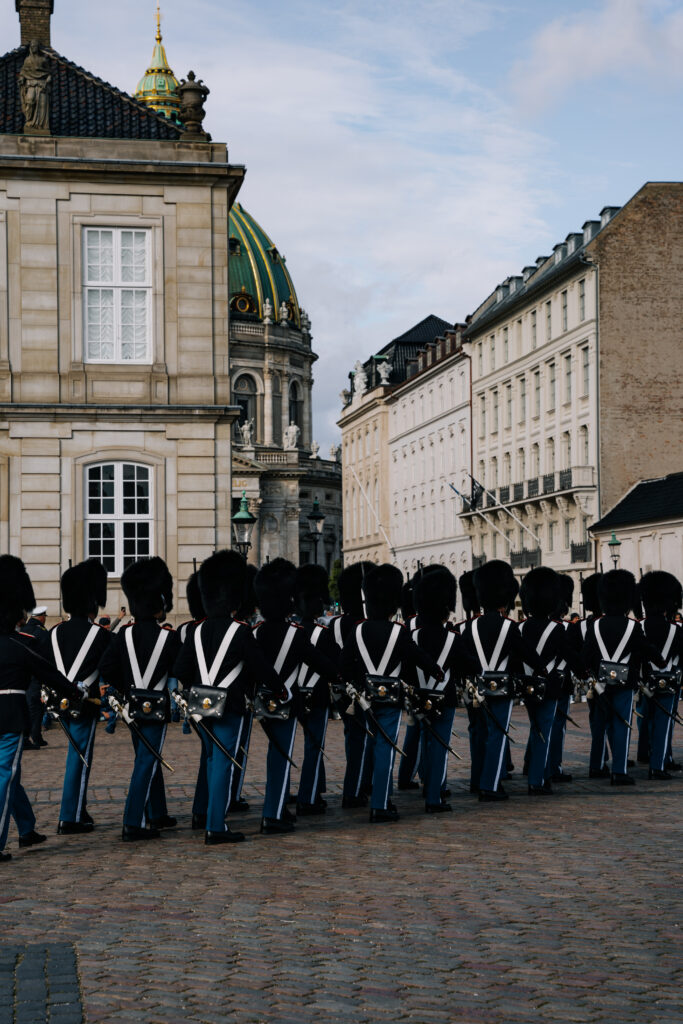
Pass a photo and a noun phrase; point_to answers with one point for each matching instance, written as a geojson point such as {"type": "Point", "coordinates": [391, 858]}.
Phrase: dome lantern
{"type": "Point", "coordinates": [158, 87]}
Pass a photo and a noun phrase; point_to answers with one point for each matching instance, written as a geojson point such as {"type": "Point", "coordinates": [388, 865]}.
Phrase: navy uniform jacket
{"type": "Point", "coordinates": [612, 628]}
{"type": "Point", "coordinates": [514, 648]}
{"type": "Point", "coordinates": [376, 634]}
{"type": "Point", "coordinates": [243, 649]}
{"type": "Point", "coordinates": [20, 659]}
{"type": "Point", "coordinates": [431, 637]}
{"type": "Point", "coordinates": [70, 636]}
{"type": "Point", "coordinates": [558, 646]}
{"type": "Point", "coordinates": [115, 665]}
{"type": "Point", "coordinates": [656, 629]}
{"type": "Point", "coordinates": [341, 626]}
{"type": "Point", "coordinates": [326, 644]}
{"type": "Point", "coordinates": [269, 636]}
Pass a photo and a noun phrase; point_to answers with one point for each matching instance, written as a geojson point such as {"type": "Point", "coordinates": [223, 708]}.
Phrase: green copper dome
{"type": "Point", "coordinates": [257, 272]}
{"type": "Point", "coordinates": [158, 87]}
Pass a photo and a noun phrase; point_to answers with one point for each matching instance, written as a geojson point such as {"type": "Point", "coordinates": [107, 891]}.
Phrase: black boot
{"type": "Point", "coordinates": [621, 780]}
{"type": "Point", "coordinates": [276, 826]}
{"type": "Point", "coordinates": [74, 828]}
{"type": "Point", "coordinates": [31, 839]}
{"type": "Point", "coordinates": [166, 821]}
{"type": "Point", "coordinates": [219, 838]}
{"type": "Point", "coordinates": [198, 822]}
{"type": "Point", "coordinates": [131, 833]}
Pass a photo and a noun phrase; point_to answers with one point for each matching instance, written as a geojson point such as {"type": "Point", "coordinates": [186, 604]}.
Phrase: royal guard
{"type": "Point", "coordinates": [660, 594]}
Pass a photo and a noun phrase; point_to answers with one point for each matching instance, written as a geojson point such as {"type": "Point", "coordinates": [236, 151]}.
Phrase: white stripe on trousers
{"type": "Point", "coordinates": [362, 763]}
{"type": "Point", "coordinates": [285, 781]}
{"type": "Point", "coordinates": [391, 763]}
{"type": "Point", "coordinates": [84, 770]}
{"type": "Point", "coordinates": [231, 768]}
{"type": "Point", "coordinates": [320, 757]}
{"type": "Point", "coordinates": [502, 751]}
{"type": "Point", "coordinates": [151, 778]}
{"type": "Point", "coordinates": [15, 765]}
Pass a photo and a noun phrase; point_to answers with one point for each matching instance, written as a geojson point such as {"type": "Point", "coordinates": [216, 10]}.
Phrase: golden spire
{"type": "Point", "coordinates": [158, 87]}
{"type": "Point", "coordinates": [158, 35]}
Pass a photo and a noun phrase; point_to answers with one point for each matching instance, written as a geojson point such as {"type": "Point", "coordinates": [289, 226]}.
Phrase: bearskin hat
{"type": "Point", "coordinates": [434, 594]}
{"type": "Point", "coordinates": [660, 593]}
{"type": "Point", "coordinates": [349, 583]}
{"type": "Point", "coordinates": [274, 586]}
{"type": "Point", "coordinates": [617, 592]}
{"type": "Point", "coordinates": [194, 597]}
{"type": "Point", "coordinates": [382, 589]}
{"type": "Point", "coordinates": [311, 592]}
{"type": "Point", "coordinates": [222, 582]}
{"type": "Point", "coordinates": [98, 580]}
{"type": "Point", "coordinates": [566, 594]}
{"type": "Point", "coordinates": [470, 601]}
{"type": "Point", "coordinates": [249, 604]}
{"type": "Point", "coordinates": [540, 592]}
{"type": "Point", "coordinates": [148, 586]}
{"type": "Point", "coordinates": [407, 604]}
{"type": "Point", "coordinates": [16, 592]}
{"type": "Point", "coordinates": [589, 592]}
{"type": "Point", "coordinates": [79, 590]}
{"type": "Point", "coordinates": [496, 585]}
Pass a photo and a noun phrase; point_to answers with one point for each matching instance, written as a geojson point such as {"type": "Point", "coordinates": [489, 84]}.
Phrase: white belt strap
{"type": "Point", "coordinates": [666, 650]}
{"type": "Point", "coordinates": [492, 665]}
{"type": "Point", "coordinates": [284, 649]}
{"type": "Point", "coordinates": [72, 674]}
{"type": "Point", "coordinates": [584, 628]}
{"type": "Point", "coordinates": [209, 676]}
{"type": "Point", "coordinates": [388, 651]}
{"type": "Point", "coordinates": [618, 654]}
{"type": "Point", "coordinates": [338, 638]}
{"type": "Point", "coordinates": [413, 625]}
{"type": "Point", "coordinates": [142, 682]}
{"type": "Point", "coordinates": [315, 636]}
{"type": "Point", "coordinates": [431, 684]}
{"type": "Point", "coordinates": [5, 693]}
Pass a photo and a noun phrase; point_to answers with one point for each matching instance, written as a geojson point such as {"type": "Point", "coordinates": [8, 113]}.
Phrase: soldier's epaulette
{"type": "Point", "coordinates": [29, 635]}
{"type": "Point", "coordinates": [241, 621]}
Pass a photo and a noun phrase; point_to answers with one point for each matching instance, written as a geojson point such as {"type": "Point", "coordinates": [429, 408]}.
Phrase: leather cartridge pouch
{"type": "Point", "coordinates": [612, 673]}
{"type": "Point", "coordinates": [207, 701]}
{"type": "Point", "coordinates": [383, 691]}
{"type": "Point", "coordinates": [148, 705]}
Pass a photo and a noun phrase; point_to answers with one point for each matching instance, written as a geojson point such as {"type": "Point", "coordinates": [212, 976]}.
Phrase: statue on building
{"type": "Point", "coordinates": [193, 95]}
{"type": "Point", "coordinates": [335, 453]}
{"type": "Point", "coordinates": [267, 312]}
{"type": "Point", "coordinates": [315, 448]}
{"type": "Point", "coordinates": [34, 83]}
{"type": "Point", "coordinates": [360, 379]}
{"type": "Point", "coordinates": [345, 396]}
{"type": "Point", "coordinates": [284, 314]}
{"type": "Point", "coordinates": [246, 430]}
{"type": "Point", "coordinates": [291, 437]}
{"type": "Point", "coordinates": [384, 368]}
{"type": "Point", "coordinates": [305, 322]}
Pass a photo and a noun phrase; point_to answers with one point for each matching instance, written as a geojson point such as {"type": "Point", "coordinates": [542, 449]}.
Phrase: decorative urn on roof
{"type": "Point", "coordinates": [193, 93]}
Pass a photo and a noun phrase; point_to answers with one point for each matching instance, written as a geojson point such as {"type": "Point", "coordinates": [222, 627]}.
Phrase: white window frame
{"type": "Point", "coordinates": [117, 285]}
{"type": "Point", "coordinates": [118, 518]}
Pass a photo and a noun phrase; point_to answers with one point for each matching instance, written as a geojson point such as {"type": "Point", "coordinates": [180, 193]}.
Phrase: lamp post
{"type": "Point", "coordinates": [242, 525]}
{"type": "Point", "coordinates": [316, 521]}
{"type": "Point", "coordinates": [613, 544]}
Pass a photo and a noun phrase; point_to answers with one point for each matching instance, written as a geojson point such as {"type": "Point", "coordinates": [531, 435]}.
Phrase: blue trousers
{"type": "Point", "coordinates": [201, 788]}
{"type": "Point", "coordinates": [238, 776]}
{"type": "Point", "coordinates": [357, 746]}
{"type": "Point", "coordinates": [13, 800]}
{"type": "Point", "coordinates": [620, 709]}
{"type": "Point", "coordinates": [644, 727]}
{"type": "Point", "coordinates": [558, 734]}
{"type": "Point", "coordinates": [435, 756]}
{"type": "Point", "coordinates": [477, 733]}
{"type": "Point", "coordinates": [314, 738]}
{"type": "Point", "coordinates": [660, 727]}
{"type": "Point", "coordinates": [410, 764]}
{"type": "Point", "coordinates": [495, 745]}
{"type": "Point", "coordinates": [382, 773]}
{"type": "Point", "coordinates": [277, 767]}
{"type": "Point", "coordinates": [76, 775]}
{"type": "Point", "coordinates": [219, 769]}
{"type": "Point", "coordinates": [146, 795]}
{"type": "Point", "coordinates": [669, 749]}
{"type": "Point", "coordinates": [541, 718]}
{"type": "Point", "coordinates": [597, 718]}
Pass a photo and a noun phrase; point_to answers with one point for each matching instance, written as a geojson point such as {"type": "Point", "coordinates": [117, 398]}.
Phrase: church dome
{"type": "Point", "coordinates": [257, 273]}
{"type": "Point", "coordinates": [158, 87]}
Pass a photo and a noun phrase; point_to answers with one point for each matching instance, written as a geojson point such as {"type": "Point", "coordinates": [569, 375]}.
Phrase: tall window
{"type": "Point", "coordinates": [506, 345]}
{"type": "Point", "coordinates": [117, 295]}
{"type": "Point", "coordinates": [492, 344]}
{"type": "Point", "coordinates": [494, 425]}
{"type": "Point", "coordinates": [522, 399]}
{"type": "Point", "coordinates": [584, 450]}
{"type": "Point", "coordinates": [118, 514]}
{"type": "Point", "coordinates": [480, 358]}
{"type": "Point", "coordinates": [548, 320]}
{"type": "Point", "coordinates": [535, 460]}
{"type": "Point", "coordinates": [585, 369]}
{"type": "Point", "coordinates": [566, 450]}
{"type": "Point", "coordinates": [551, 536]}
{"type": "Point", "coordinates": [244, 395]}
{"type": "Point", "coordinates": [277, 409]}
{"type": "Point", "coordinates": [564, 310]}
{"type": "Point", "coordinates": [494, 472]}
{"type": "Point", "coordinates": [521, 464]}
{"type": "Point", "coordinates": [507, 469]}
{"type": "Point", "coordinates": [550, 455]}
{"type": "Point", "coordinates": [582, 299]}
{"type": "Point", "coordinates": [508, 405]}
{"type": "Point", "coordinates": [296, 405]}
{"type": "Point", "coordinates": [568, 377]}
{"type": "Point", "coordinates": [552, 386]}
{"type": "Point", "coordinates": [567, 532]}
{"type": "Point", "coordinates": [533, 328]}
{"type": "Point", "coordinates": [482, 416]}
{"type": "Point", "coordinates": [537, 393]}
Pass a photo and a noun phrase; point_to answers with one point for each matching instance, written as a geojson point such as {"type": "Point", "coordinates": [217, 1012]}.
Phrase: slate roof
{"type": "Point", "coordinates": [405, 347]}
{"type": "Point", "coordinates": [81, 105]}
{"type": "Point", "coordinates": [649, 501]}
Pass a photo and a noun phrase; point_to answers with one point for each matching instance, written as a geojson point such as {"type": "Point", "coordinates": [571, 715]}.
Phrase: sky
{"type": "Point", "coordinates": [407, 157]}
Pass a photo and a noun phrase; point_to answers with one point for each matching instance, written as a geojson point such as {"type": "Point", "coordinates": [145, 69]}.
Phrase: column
{"type": "Point", "coordinates": [284, 386]}
{"type": "Point", "coordinates": [307, 426]}
{"type": "Point", "coordinates": [267, 406]}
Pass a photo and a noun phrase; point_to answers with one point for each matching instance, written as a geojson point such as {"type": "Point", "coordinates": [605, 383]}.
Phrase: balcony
{"type": "Point", "coordinates": [478, 560]}
{"type": "Point", "coordinates": [548, 483]}
{"type": "Point", "coordinates": [527, 558]}
{"type": "Point", "coordinates": [504, 494]}
{"type": "Point", "coordinates": [565, 479]}
{"type": "Point", "coordinates": [582, 552]}
{"type": "Point", "coordinates": [491, 501]}
{"type": "Point", "coordinates": [532, 488]}
{"type": "Point", "coordinates": [517, 492]}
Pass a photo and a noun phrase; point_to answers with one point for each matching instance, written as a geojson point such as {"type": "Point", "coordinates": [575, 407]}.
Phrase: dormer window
{"type": "Point", "coordinates": [274, 254]}
{"type": "Point", "coordinates": [235, 247]}
{"type": "Point", "coordinates": [243, 303]}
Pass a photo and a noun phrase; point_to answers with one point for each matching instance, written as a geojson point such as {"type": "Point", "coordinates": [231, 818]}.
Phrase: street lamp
{"type": "Point", "coordinates": [316, 521]}
{"type": "Point", "coordinates": [613, 544]}
{"type": "Point", "coordinates": [242, 525]}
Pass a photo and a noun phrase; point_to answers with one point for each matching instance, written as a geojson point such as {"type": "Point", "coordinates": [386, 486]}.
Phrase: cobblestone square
{"type": "Point", "coordinates": [564, 908]}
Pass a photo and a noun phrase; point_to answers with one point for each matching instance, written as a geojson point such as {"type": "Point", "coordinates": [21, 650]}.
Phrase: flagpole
{"type": "Point", "coordinates": [476, 510]}
{"type": "Point", "coordinates": [372, 509]}
{"type": "Point", "coordinates": [505, 508]}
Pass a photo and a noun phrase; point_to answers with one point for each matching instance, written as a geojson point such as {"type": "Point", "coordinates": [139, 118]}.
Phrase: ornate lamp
{"type": "Point", "coordinates": [613, 544]}
{"type": "Point", "coordinates": [316, 521]}
{"type": "Point", "coordinates": [242, 525]}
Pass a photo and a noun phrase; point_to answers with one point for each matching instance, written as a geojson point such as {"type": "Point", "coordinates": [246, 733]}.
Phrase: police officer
{"type": "Point", "coordinates": [660, 593]}
{"type": "Point", "coordinates": [138, 663]}
{"type": "Point", "coordinates": [75, 648]}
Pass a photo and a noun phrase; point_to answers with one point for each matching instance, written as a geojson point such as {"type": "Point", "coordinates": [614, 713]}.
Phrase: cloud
{"type": "Point", "coordinates": [621, 39]}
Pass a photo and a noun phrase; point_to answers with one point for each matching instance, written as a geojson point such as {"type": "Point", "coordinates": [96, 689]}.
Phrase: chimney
{"type": "Point", "coordinates": [34, 18]}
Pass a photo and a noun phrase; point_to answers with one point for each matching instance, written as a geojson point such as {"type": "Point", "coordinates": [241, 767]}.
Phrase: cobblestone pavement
{"type": "Point", "coordinates": [564, 908]}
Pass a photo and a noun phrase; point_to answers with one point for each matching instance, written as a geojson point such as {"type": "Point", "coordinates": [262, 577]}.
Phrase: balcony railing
{"type": "Point", "coordinates": [532, 488]}
{"type": "Point", "coordinates": [491, 501]}
{"type": "Point", "coordinates": [582, 552]}
{"type": "Point", "coordinates": [478, 560]}
{"type": "Point", "coordinates": [527, 558]}
{"type": "Point", "coordinates": [504, 495]}
{"type": "Point", "coordinates": [517, 492]}
{"type": "Point", "coordinates": [548, 483]}
{"type": "Point", "coordinates": [565, 479]}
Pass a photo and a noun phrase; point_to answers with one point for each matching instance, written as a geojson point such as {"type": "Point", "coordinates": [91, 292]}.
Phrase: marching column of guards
{"type": "Point", "coordinates": [259, 650]}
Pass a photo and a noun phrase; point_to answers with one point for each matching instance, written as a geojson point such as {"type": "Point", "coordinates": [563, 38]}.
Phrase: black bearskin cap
{"type": "Point", "coordinates": [222, 582]}
{"type": "Point", "coordinates": [98, 580]}
{"type": "Point", "coordinates": [496, 585]}
{"type": "Point", "coordinates": [382, 589]}
{"type": "Point", "coordinates": [194, 597]}
{"type": "Point", "coordinates": [470, 601]}
{"type": "Point", "coordinates": [349, 583]}
{"type": "Point", "coordinates": [566, 594]}
{"type": "Point", "coordinates": [589, 592]}
{"type": "Point", "coordinates": [249, 603]}
{"type": "Point", "coordinates": [540, 592]}
{"type": "Point", "coordinates": [434, 593]}
{"type": "Point", "coordinates": [311, 591]}
{"type": "Point", "coordinates": [407, 603]}
{"type": "Point", "coordinates": [660, 593]}
{"type": "Point", "coordinates": [617, 592]}
{"type": "Point", "coordinates": [79, 591]}
{"type": "Point", "coordinates": [148, 585]}
{"type": "Point", "coordinates": [274, 586]}
{"type": "Point", "coordinates": [16, 592]}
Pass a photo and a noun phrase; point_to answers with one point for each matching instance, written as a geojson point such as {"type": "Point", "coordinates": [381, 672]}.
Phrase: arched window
{"type": "Point", "coordinates": [244, 395]}
{"type": "Point", "coordinates": [118, 512]}
{"type": "Point", "coordinates": [277, 409]}
{"type": "Point", "coordinates": [296, 405]}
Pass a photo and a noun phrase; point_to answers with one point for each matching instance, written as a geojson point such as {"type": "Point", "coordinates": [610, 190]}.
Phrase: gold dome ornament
{"type": "Point", "coordinates": [158, 87]}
